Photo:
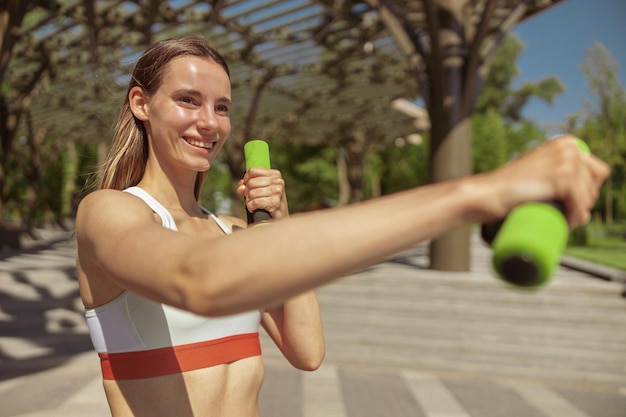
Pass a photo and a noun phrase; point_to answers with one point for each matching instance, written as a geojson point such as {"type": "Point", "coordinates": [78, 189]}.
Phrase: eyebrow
{"type": "Point", "coordinates": [189, 91]}
{"type": "Point", "coordinates": [225, 100]}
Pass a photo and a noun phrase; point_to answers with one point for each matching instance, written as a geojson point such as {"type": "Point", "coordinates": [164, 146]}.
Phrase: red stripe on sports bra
{"type": "Point", "coordinates": [177, 359]}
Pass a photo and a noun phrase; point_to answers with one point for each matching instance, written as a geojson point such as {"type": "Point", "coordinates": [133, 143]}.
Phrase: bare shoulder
{"type": "Point", "coordinates": [108, 211]}
{"type": "Point", "coordinates": [103, 200]}
{"type": "Point", "coordinates": [106, 220]}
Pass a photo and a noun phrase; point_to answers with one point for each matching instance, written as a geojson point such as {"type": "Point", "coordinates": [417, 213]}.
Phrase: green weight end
{"type": "Point", "coordinates": [529, 244]}
{"type": "Point", "coordinates": [257, 154]}
{"type": "Point", "coordinates": [583, 146]}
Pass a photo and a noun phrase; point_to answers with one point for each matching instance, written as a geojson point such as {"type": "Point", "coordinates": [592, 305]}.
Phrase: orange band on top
{"type": "Point", "coordinates": [177, 359]}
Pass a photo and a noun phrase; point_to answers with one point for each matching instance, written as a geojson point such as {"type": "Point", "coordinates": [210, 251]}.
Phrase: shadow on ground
{"type": "Point", "coordinates": [41, 316]}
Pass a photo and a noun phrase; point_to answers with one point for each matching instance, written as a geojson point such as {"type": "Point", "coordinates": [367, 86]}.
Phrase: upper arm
{"type": "Point", "coordinates": [118, 239]}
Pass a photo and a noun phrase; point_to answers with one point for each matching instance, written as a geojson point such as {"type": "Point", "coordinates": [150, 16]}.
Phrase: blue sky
{"type": "Point", "coordinates": [555, 43]}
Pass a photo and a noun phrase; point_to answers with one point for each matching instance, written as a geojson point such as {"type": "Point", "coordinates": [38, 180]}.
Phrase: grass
{"type": "Point", "coordinates": [605, 246]}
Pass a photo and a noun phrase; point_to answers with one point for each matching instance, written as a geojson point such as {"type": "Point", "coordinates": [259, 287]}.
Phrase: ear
{"type": "Point", "coordinates": [138, 101]}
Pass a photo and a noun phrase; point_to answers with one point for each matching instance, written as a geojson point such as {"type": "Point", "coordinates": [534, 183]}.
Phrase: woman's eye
{"type": "Point", "coordinates": [222, 109]}
{"type": "Point", "coordinates": [188, 100]}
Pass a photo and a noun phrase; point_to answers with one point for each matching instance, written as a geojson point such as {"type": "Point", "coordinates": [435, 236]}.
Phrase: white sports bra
{"type": "Point", "coordinates": [139, 338]}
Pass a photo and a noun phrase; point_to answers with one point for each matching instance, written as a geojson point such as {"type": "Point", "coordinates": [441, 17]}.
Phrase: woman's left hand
{"type": "Point", "coordinates": [264, 189]}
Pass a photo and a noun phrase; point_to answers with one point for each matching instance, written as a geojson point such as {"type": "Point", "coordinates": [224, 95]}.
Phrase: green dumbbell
{"type": "Point", "coordinates": [528, 244]}
{"type": "Point", "coordinates": [257, 154]}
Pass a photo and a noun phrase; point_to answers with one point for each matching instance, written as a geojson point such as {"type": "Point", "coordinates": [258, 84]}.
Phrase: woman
{"type": "Point", "coordinates": [172, 297]}
{"type": "Point", "coordinates": [158, 359]}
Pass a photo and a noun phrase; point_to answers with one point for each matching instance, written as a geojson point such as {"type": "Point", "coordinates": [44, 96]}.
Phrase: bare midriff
{"type": "Point", "coordinates": [224, 390]}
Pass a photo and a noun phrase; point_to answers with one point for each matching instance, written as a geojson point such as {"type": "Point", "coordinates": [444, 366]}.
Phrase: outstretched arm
{"type": "Point", "coordinates": [267, 265]}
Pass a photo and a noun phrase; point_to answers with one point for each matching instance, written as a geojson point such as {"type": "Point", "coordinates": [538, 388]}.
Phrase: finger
{"type": "Point", "coordinates": [600, 169]}
{"type": "Point", "coordinates": [262, 182]}
{"type": "Point", "coordinates": [591, 173]}
{"type": "Point", "coordinates": [262, 172]}
{"type": "Point", "coordinates": [275, 188]}
{"type": "Point", "coordinates": [270, 204]}
{"type": "Point", "coordinates": [272, 183]}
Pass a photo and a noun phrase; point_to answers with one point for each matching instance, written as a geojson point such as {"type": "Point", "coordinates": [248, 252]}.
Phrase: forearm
{"type": "Point", "coordinates": [296, 328]}
{"type": "Point", "coordinates": [290, 257]}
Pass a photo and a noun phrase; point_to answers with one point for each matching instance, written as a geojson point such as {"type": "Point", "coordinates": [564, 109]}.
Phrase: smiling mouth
{"type": "Point", "coordinates": [200, 144]}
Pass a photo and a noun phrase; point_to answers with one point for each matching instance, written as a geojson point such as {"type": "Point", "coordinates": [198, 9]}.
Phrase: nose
{"type": "Point", "coordinates": [207, 119]}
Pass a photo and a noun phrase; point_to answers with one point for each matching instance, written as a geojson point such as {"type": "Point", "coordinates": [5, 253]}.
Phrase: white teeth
{"type": "Point", "coordinates": [200, 144]}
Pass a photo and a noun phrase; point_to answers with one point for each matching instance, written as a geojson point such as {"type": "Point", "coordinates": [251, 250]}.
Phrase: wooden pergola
{"type": "Point", "coordinates": [309, 71]}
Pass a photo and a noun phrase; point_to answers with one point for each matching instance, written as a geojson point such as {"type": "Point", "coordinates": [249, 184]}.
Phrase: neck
{"type": "Point", "coordinates": [172, 194]}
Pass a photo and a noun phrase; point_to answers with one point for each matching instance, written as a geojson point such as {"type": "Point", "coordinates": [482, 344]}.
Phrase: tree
{"type": "Point", "coordinates": [310, 171]}
{"type": "Point", "coordinates": [52, 93]}
{"type": "Point", "coordinates": [450, 47]}
{"type": "Point", "coordinates": [606, 127]}
{"type": "Point", "coordinates": [404, 165]}
{"type": "Point", "coordinates": [14, 97]}
{"type": "Point", "coordinates": [498, 92]}
{"type": "Point", "coordinates": [499, 131]}
{"type": "Point", "coordinates": [323, 70]}
{"type": "Point", "coordinates": [490, 141]}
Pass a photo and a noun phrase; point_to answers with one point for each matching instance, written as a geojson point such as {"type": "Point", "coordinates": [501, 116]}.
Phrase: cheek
{"type": "Point", "coordinates": [166, 124]}
{"type": "Point", "coordinates": [177, 115]}
{"type": "Point", "coordinates": [170, 115]}
{"type": "Point", "coordinates": [225, 129]}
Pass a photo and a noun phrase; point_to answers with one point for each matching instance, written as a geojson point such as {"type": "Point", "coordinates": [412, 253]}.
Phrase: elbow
{"type": "Point", "coordinates": [312, 365]}
{"type": "Point", "coordinates": [310, 362]}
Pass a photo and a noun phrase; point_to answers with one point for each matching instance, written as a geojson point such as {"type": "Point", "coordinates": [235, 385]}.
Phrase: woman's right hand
{"type": "Point", "coordinates": [264, 189]}
{"type": "Point", "coordinates": [556, 170]}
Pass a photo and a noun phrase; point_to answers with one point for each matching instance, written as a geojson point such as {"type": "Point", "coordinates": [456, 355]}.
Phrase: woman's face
{"type": "Point", "coordinates": [188, 118]}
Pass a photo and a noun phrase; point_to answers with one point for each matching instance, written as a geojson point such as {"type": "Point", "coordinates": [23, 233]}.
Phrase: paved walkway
{"type": "Point", "coordinates": [402, 341]}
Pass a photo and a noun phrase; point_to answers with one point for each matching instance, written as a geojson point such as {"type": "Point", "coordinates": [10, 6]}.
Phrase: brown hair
{"type": "Point", "coordinates": [125, 163]}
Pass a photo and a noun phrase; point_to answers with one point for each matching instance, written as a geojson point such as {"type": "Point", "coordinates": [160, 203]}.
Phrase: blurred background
{"type": "Point", "coordinates": [357, 99]}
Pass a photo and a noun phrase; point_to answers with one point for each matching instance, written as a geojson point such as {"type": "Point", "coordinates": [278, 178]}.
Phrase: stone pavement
{"type": "Point", "coordinates": [401, 341]}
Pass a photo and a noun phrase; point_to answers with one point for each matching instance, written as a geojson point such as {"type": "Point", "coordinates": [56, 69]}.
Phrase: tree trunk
{"type": "Point", "coordinates": [342, 177]}
{"type": "Point", "coordinates": [608, 201]}
{"type": "Point", "coordinates": [451, 157]}
{"type": "Point", "coordinates": [69, 183]}
{"type": "Point", "coordinates": [451, 146]}
{"type": "Point", "coordinates": [356, 158]}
